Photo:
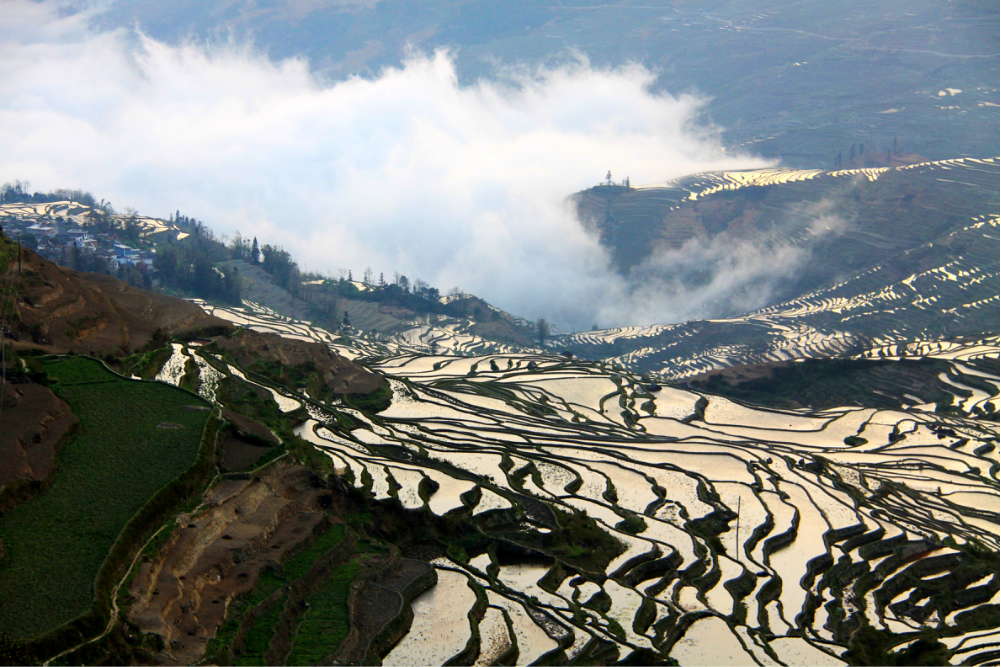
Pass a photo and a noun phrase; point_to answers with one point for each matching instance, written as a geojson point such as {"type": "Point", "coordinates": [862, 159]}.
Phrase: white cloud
{"type": "Point", "coordinates": [407, 171]}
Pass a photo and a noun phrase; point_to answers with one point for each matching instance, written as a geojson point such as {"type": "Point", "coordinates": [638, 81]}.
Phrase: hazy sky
{"type": "Point", "coordinates": [408, 171]}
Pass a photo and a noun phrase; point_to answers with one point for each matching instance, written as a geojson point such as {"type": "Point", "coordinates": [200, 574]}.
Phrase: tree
{"type": "Point", "coordinates": [346, 321]}
{"type": "Point", "coordinates": [231, 285]}
{"type": "Point", "coordinates": [276, 261]}
{"type": "Point", "coordinates": [367, 279]}
{"type": "Point", "coordinates": [131, 231]}
{"type": "Point", "coordinates": [255, 252]}
{"type": "Point", "coordinates": [239, 246]}
{"type": "Point", "coordinates": [542, 329]}
{"type": "Point", "coordinates": [851, 153]}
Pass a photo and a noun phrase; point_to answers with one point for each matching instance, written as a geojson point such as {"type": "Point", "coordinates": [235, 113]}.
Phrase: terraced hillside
{"type": "Point", "coordinates": [455, 321]}
{"type": "Point", "coordinates": [613, 517]}
{"type": "Point", "coordinates": [942, 289]}
{"type": "Point", "coordinates": [84, 214]}
{"type": "Point", "coordinates": [846, 221]}
{"type": "Point", "coordinates": [446, 336]}
{"type": "Point", "coordinates": [447, 498]}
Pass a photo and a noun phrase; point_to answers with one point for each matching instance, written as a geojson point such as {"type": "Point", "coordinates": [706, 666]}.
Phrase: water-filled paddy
{"type": "Point", "coordinates": [440, 628]}
{"type": "Point", "coordinates": [689, 476]}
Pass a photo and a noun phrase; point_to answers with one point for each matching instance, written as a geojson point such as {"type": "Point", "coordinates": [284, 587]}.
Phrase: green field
{"type": "Point", "coordinates": [325, 624]}
{"type": "Point", "coordinates": [258, 637]}
{"type": "Point", "coordinates": [299, 564]}
{"type": "Point", "coordinates": [107, 470]}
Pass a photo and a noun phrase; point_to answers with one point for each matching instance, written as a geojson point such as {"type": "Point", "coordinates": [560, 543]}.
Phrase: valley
{"type": "Point", "coordinates": [382, 374]}
{"type": "Point", "coordinates": [520, 506]}
{"type": "Point", "coordinates": [783, 528]}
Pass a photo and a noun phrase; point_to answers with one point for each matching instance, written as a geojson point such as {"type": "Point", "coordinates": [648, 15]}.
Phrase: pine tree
{"type": "Point", "coordinates": [255, 252]}
{"type": "Point", "coordinates": [542, 329]}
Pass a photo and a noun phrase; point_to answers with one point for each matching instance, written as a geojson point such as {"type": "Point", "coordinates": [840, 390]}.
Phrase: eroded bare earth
{"type": "Point", "coordinates": [219, 553]}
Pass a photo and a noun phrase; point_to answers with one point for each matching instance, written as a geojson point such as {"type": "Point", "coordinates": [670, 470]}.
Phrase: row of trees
{"type": "Point", "coordinates": [245, 249]}
{"type": "Point", "coordinates": [417, 296]}
{"type": "Point", "coordinates": [190, 267]}
{"type": "Point", "coordinates": [20, 192]}
{"type": "Point", "coordinates": [861, 152]}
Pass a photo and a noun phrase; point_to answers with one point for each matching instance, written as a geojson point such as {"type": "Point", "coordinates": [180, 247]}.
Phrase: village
{"type": "Point", "coordinates": [84, 237]}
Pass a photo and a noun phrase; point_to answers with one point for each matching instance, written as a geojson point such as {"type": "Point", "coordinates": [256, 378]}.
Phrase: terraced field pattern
{"type": "Point", "coordinates": [608, 517]}
{"type": "Point", "coordinates": [916, 261]}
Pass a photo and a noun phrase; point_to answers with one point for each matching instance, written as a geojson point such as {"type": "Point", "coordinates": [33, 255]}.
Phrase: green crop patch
{"type": "Point", "coordinates": [78, 370]}
{"type": "Point", "coordinates": [132, 440]}
{"type": "Point", "coordinates": [326, 622]}
{"type": "Point", "coordinates": [258, 637]}
{"type": "Point", "coordinates": [298, 565]}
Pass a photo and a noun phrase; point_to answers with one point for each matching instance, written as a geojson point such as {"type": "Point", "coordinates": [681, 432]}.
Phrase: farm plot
{"type": "Point", "coordinates": [134, 438]}
{"type": "Point", "coordinates": [778, 531]}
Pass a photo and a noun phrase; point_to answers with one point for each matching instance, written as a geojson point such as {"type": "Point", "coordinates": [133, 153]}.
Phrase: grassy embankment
{"type": "Point", "coordinates": [134, 438]}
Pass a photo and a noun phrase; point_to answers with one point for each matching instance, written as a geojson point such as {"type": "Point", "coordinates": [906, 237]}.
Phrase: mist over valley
{"type": "Point", "coordinates": [472, 332]}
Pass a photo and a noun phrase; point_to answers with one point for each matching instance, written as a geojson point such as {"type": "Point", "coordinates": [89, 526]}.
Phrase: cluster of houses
{"type": "Point", "coordinates": [54, 237]}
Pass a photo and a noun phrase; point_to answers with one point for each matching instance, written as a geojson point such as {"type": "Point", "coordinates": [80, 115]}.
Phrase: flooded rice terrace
{"type": "Point", "coordinates": [742, 535]}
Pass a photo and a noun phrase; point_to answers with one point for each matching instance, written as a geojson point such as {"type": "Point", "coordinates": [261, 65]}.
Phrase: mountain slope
{"type": "Point", "coordinates": [828, 225]}
{"type": "Point", "coordinates": [928, 270]}
{"type": "Point", "coordinates": [58, 309]}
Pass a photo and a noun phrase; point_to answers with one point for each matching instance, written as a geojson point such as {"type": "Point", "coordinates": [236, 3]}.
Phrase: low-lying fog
{"type": "Point", "coordinates": [402, 171]}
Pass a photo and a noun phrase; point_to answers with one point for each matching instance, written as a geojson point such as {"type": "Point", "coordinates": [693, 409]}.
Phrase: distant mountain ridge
{"type": "Point", "coordinates": [916, 259]}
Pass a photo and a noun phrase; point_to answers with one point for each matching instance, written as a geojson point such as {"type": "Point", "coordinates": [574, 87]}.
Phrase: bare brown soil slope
{"type": "Point", "coordinates": [60, 310]}
{"type": "Point", "coordinates": [34, 420]}
{"type": "Point", "coordinates": [246, 525]}
{"type": "Point", "coordinates": [341, 375]}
